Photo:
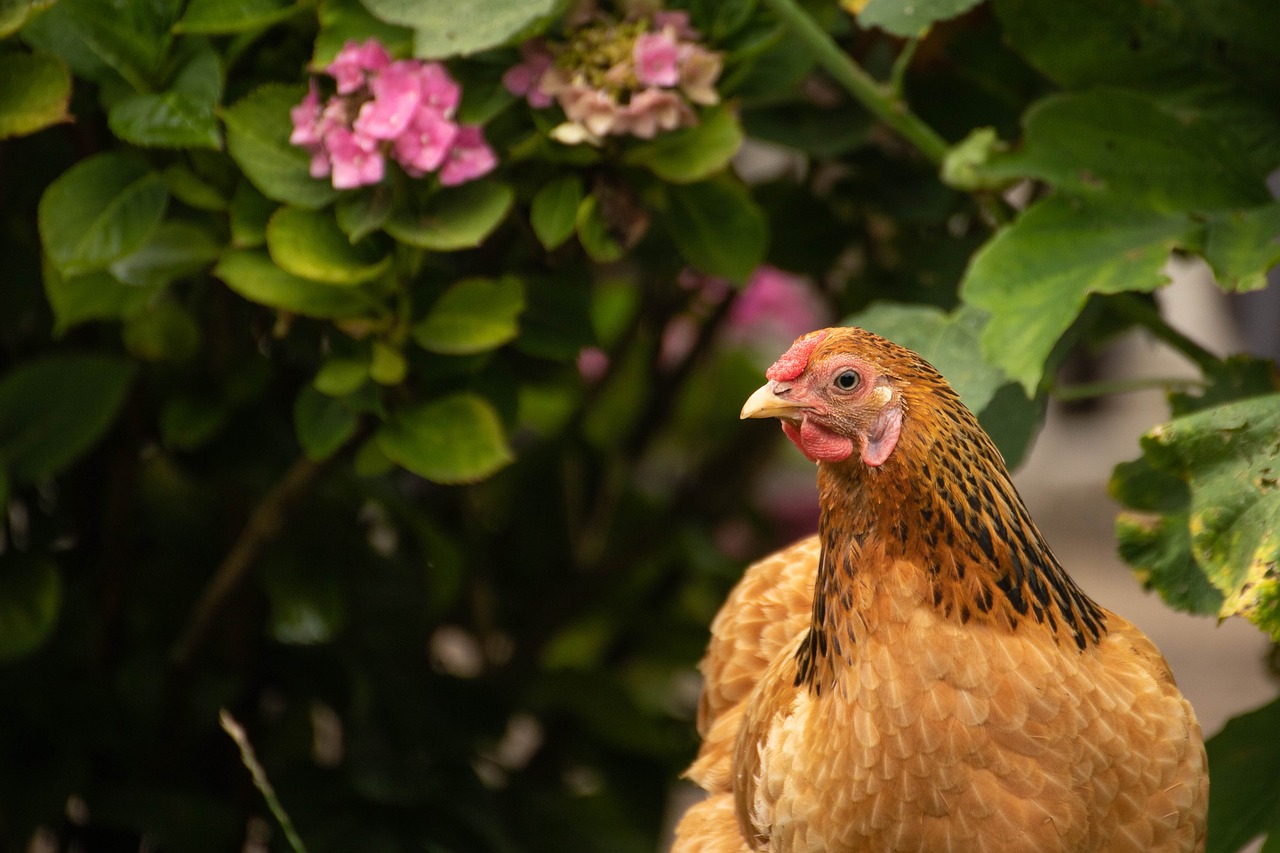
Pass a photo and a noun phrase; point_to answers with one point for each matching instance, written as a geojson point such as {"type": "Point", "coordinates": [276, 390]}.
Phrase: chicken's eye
{"type": "Point", "coordinates": [848, 380]}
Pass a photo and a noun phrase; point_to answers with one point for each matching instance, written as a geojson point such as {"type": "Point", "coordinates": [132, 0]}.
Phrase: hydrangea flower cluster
{"type": "Point", "coordinates": [635, 77]}
{"type": "Point", "coordinates": [400, 109]}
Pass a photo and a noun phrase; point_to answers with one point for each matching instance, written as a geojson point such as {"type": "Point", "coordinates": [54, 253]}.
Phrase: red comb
{"type": "Point", "coordinates": [795, 360]}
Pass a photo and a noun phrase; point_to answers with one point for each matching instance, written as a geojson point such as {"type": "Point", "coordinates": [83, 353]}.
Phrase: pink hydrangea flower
{"type": "Point", "coordinates": [470, 157]}
{"type": "Point", "coordinates": [656, 109]}
{"type": "Point", "coordinates": [677, 21]}
{"type": "Point", "coordinates": [525, 78]}
{"type": "Point", "coordinates": [397, 92]}
{"type": "Point", "coordinates": [655, 56]}
{"type": "Point", "coordinates": [439, 91]}
{"type": "Point", "coordinates": [356, 158]}
{"type": "Point", "coordinates": [382, 109]}
{"type": "Point", "coordinates": [425, 143]}
{"type": "Point", "coordinates": [773, 301]}
{"type": "Point", "coordinates": [349, 67]}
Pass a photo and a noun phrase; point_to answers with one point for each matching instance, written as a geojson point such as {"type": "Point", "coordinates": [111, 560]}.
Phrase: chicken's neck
{"type": "Point", "coordinates": [942, 520]}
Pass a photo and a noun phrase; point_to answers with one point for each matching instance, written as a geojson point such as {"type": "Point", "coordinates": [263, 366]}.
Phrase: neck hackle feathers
{"type": "Point", "coordinates": [941, 501]}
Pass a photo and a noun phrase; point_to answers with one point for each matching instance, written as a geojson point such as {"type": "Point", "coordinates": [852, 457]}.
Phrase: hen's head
{"type": "Point", "coordinates": [843, 391]}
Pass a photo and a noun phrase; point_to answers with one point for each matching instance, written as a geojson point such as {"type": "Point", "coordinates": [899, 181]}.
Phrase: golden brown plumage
{"type": "Point", "coordinates": [922, 675]}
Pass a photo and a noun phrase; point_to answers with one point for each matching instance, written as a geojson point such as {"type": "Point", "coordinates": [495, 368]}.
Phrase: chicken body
{"type": "Point", "coordinates": [922, 675]}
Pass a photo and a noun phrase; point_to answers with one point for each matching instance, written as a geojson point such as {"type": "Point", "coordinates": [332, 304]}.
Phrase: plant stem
{"type": "Point", "coordinates": [1149, 318]}
{"type": "Point", "coordinates": [882, 101]}
{"type": "Point", "coordinates": [259, 531]}
{"type": "Point", "coordinates": [260, 780]}
{"type": "Point", "coordinates": [1106, 388]}
{"type": "Point", "coordinates": [899, 72]}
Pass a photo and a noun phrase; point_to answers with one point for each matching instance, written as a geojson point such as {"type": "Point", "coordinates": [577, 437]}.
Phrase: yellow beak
{"type": "Point", "coordinates": [765, 403]}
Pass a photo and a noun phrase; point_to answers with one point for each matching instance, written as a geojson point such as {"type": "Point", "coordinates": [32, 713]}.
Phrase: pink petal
{"type": "Point", "coordinates": [469, 158]}
{"type": "Point", "coordinates": [655, 56]}
{"type": "Point", "coordinates": [397, 92]}
{"type": "Point", "coordinates": [426, 142]}
{"type": "Point", "coordinates": [351, 63]}
{"type": "Point", "coordinates": [355, 158]}
{"type": "Point", "coordinates": [306, 118]}
{"type": "Point", "coordinates": [438, 88]}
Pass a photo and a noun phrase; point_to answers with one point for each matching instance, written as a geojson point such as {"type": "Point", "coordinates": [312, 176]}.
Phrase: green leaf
{"type": "Point", "coordinates": [220, 17]}
{"type": "Point", "coordinates": [556, 321]}
{"type": "Point", "coordinates": [1213, 60]}
{"type": "Point", "coordinates": [594, 234]}
{"type": "Point", "coordinates": [1159, 549]}
{"type": "Point", "coordinates": [178, 248]}
{"type": "Point", "coordinates": [256, 278]}
{"type": "Point", "coordinates": [444, 28]}
{"type": "Point", "coordinates": [1229, 458]}
{"type": "Point", "coordinates": [14, 13]}
{"type": "Point", "coordinates": [1125, 145]}
{"type": "Point", "coordinates": [342, 21]}
{"type": "Point", "coordinates": [387, 365]}
{"type": "Point", "coordinates": [258, 128]}
{"type": "Point", "coordinates": [92, 296]}
{"type": "Point", "coordinates": [310, 244]}
{"type": "Point", "coordinates": [457, 439]}
{"type": "Point", "coordinates": [474, 315]}
{"type": "Point", "coordinates": [250, 213]}
{"type": "Point", "coordinates": [947, 341]}
{"type": "Point", "coordinates": [1242, 245]}
{"type": "Point", "coordinates": [338, 377]}
{"type": "Point", "coordinates": [163, 332]}
{"type": "Point", "coordinates": [1034, 276]}
{"type": "Point", "coordinates": [193, 190]}
{"type": "Point", "coordinates": [180, 117]}
{"type": "Point", "coordinates": [35, 90]}
{"type": "Point", "coordinates": [322, 423]}
{"type": "Point", "coordinates": [99, 210]}
{"type": "Point", "coordinates": [910, 19]}
{"type": "Point", "coordinates": [692, 153]}
{"type": "Point", "coordinates": [455, 218]}
{"type": "Point", "coordinates": [107, 41]}
{"type": "Point", "coordinates": [554, 210]}
{"type": "Point", "coordinates": [189, 421]}
{"type": "Point", "coordinates": [54, 409]}
{"type": "Point", "coordinates": [718, 228]}
{"type": "Point", "coordinates": [30, 598]}
{"type": "Point", "coordinates": [363, 213]}
{"type": "Point", "coordinates": [1243, 762]}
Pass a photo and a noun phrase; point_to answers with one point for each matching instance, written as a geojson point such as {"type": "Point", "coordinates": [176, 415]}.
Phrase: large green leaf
{"type": "Point", "coordinates": [718, 228]}
{"type": "Point", "coordinates": [108, 40]}
{"type": "Point", "coordinates": [182, 116]}
{"type": "Point", "coordinates": [1242, 245]}
{"type": "Point", "coordinates": [99, 210]}
{"type": "Point", "coordinates": [310, 244]}
{"type": "Point", "coordinates": [14, 13]}
{"type": "Point", "coordinates": [35, 89]}
{"type": "Point", "coordinates": [474, 315]}
{"type": "Point", "coordinates": [692, 153]}
{"type": "Point", "coordinates": [909, 19]}
{"type": "Point", "coordinates": [455, 218]}
{"type": "Point", "coordinates": [176, 249]}
{"type": "Point", "coordinates": [30, 598]}
{"type": "Point", "coordinates": [554, 210]}
{"type": "Point", "coordinates": [1214, 60]}
{"type": "Point", "coordinates": [258, 129]}
{"type": "Point", "coordinates": [444, 28]}
{"type": "Point", "coordinates": [947, 341]}
{"type": "Point", "coordinates": [219, 17]}
{"type": "Point", "coordinates": [92, 296]}
{"type": "Point", "coordinates": [457, 439]}
{"type": "Point", "coordinates": [1034, 276]}
{"type": "Point", "coordinates": [256, 278]}
{"type": "Point", "coordinates": [1228, 459]}
{"type": "Point", "coordinates": [54, 409]}
{"type": "Point", "coordinates": [1125, 145]}
{"type": "Point", "coordinates": [1244, 766]}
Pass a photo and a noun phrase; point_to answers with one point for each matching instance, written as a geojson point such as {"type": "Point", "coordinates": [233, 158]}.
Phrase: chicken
{"type": "Point", "coordinates": [923, 675]}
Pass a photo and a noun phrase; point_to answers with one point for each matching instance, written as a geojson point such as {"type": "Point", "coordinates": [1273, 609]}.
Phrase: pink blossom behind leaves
{"type": "Point", "coordinates": [352, 63]}
{"type": "Point", "coordinates": [774, 302]}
